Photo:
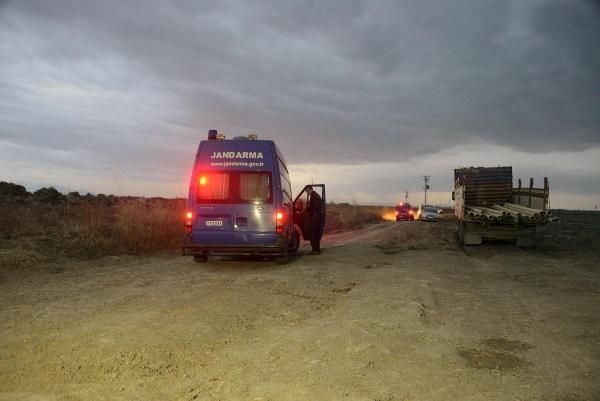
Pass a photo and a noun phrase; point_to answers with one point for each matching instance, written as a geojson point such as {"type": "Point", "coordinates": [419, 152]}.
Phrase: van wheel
{"type": "Point", "coordinates": [200, 259]}
{"type": "Point", "coordinates": [284, 258]}
{"type": "Point", "coordinates": [295, 244]}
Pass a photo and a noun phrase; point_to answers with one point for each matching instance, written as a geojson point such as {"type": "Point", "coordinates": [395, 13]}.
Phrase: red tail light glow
{"type": "Point", "coordinates": [202, 180]}
{"type": "Point", "coordinates": [279, 222]}
{"type": "Point", "coordinates": [188, 222]}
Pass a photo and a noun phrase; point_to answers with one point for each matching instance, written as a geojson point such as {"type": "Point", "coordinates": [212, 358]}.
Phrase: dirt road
{"type": "Point", "coordinates": [396, 311]}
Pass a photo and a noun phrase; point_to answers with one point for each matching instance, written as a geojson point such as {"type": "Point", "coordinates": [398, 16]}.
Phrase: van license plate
{"type": "Point", "coordinates": [214, 223]}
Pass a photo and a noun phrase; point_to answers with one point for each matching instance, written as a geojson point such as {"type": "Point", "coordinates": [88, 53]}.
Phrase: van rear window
{"type": "Point", "coordinates": [213, 186]}
{"type": "Point", "coordinates": [234, 187]}
{"type": "Point", "coordinates": [255, 187]}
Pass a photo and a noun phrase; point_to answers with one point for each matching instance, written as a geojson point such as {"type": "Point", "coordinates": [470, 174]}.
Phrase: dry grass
{"type": "Point", "coordinates": [343, 216]}
{"type": "Point", "coordinates": [33, 232]}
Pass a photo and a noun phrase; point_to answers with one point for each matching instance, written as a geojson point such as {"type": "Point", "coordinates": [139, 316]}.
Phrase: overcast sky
{"type": "Point", "coordinates": [113, 96]}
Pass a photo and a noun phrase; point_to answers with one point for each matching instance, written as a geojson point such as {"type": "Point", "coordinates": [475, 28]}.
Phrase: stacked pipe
{"type": "Point", "coordinates": [509, 212]}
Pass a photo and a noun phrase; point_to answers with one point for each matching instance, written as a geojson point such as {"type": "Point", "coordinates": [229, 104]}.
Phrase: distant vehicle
{"type": "Point", "coordinates": [404, 212]}
{"type": "Point", "coordinates": [427, 213]}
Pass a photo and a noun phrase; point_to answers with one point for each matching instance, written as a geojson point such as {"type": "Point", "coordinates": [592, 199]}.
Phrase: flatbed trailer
{"type": "Point", "coordinates": [487, 207]}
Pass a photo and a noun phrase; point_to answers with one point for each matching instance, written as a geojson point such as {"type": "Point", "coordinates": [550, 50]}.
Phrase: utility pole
{"type": "Point", "coordinates": [426, 185]}
{"type": "Point", "coordinates": [406, 198]}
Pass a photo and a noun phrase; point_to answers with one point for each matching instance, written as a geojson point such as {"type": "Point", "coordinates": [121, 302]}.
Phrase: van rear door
{"type": "Point", "coordinates": [214, 223]}
{"type": "Point", "coordinates": [254, 218]}
{"type": "Point", "coordinates": [235, 198]}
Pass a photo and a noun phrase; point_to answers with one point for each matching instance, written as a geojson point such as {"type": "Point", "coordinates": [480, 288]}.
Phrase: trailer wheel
{"type": "Point", "coordinates": [461, 231]}
{"type": "Point", "coordinates": [200, 259]}
{"type": "Point", "coordinates": [525, 241]}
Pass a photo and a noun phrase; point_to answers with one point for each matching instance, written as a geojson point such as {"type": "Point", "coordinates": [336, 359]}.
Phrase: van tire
{"type": "Point", "coordinates": [295, 244]}
{"type": "Point", "coordinates": [283, 259]}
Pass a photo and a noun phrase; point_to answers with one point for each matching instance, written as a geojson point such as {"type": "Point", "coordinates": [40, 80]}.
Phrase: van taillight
{"type": "Point", "coordinates": [188, 222]}
{"type": "Point", "coordinates": [279, 222]}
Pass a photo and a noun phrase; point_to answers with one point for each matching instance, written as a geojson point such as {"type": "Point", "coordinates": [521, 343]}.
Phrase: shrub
{"type": "Point", "coordinates": [12, 192]}
{"type": "Point", "coordinates": [48, 195]}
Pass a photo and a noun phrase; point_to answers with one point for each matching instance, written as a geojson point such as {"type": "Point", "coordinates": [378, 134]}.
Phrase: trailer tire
{"type": "Point", "coordinates": [461, 231]}
{"type": "Point", "coordinates": [201, 259]}
{"type": "Point", "coordinates": [526, 241]}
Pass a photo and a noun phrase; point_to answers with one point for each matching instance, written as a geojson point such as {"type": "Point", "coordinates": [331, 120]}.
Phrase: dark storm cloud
{"type": "Point", "coordinates": [353, 81]}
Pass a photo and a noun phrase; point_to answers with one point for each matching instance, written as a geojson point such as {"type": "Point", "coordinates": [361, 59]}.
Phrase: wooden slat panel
{"type": "Point", "coordinates": [485, 185]}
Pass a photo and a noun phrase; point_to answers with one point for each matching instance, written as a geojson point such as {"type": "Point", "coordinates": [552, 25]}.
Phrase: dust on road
{"type": "Point", "coordinates": [396, 311]}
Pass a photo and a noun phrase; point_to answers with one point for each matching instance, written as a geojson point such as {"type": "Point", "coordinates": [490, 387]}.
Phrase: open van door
{"type": "Point", "coordinates": [301, 218]}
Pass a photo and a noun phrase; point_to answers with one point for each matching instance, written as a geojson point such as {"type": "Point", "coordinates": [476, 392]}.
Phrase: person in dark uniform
{"type": "Point", "coordinates": [315, 211]}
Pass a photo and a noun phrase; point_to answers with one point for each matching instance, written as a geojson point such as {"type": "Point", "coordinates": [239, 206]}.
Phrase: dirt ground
{"type": "Point", "coordinates": [395, 311]}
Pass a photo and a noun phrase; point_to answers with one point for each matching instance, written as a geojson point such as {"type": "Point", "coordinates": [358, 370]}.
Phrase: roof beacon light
{"type": "Point", "coordinates": [253, 137]}
{"type": "Point", "coordinates": [212, 134]}
{"type": "Point", "coordinates": [220, 137]}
